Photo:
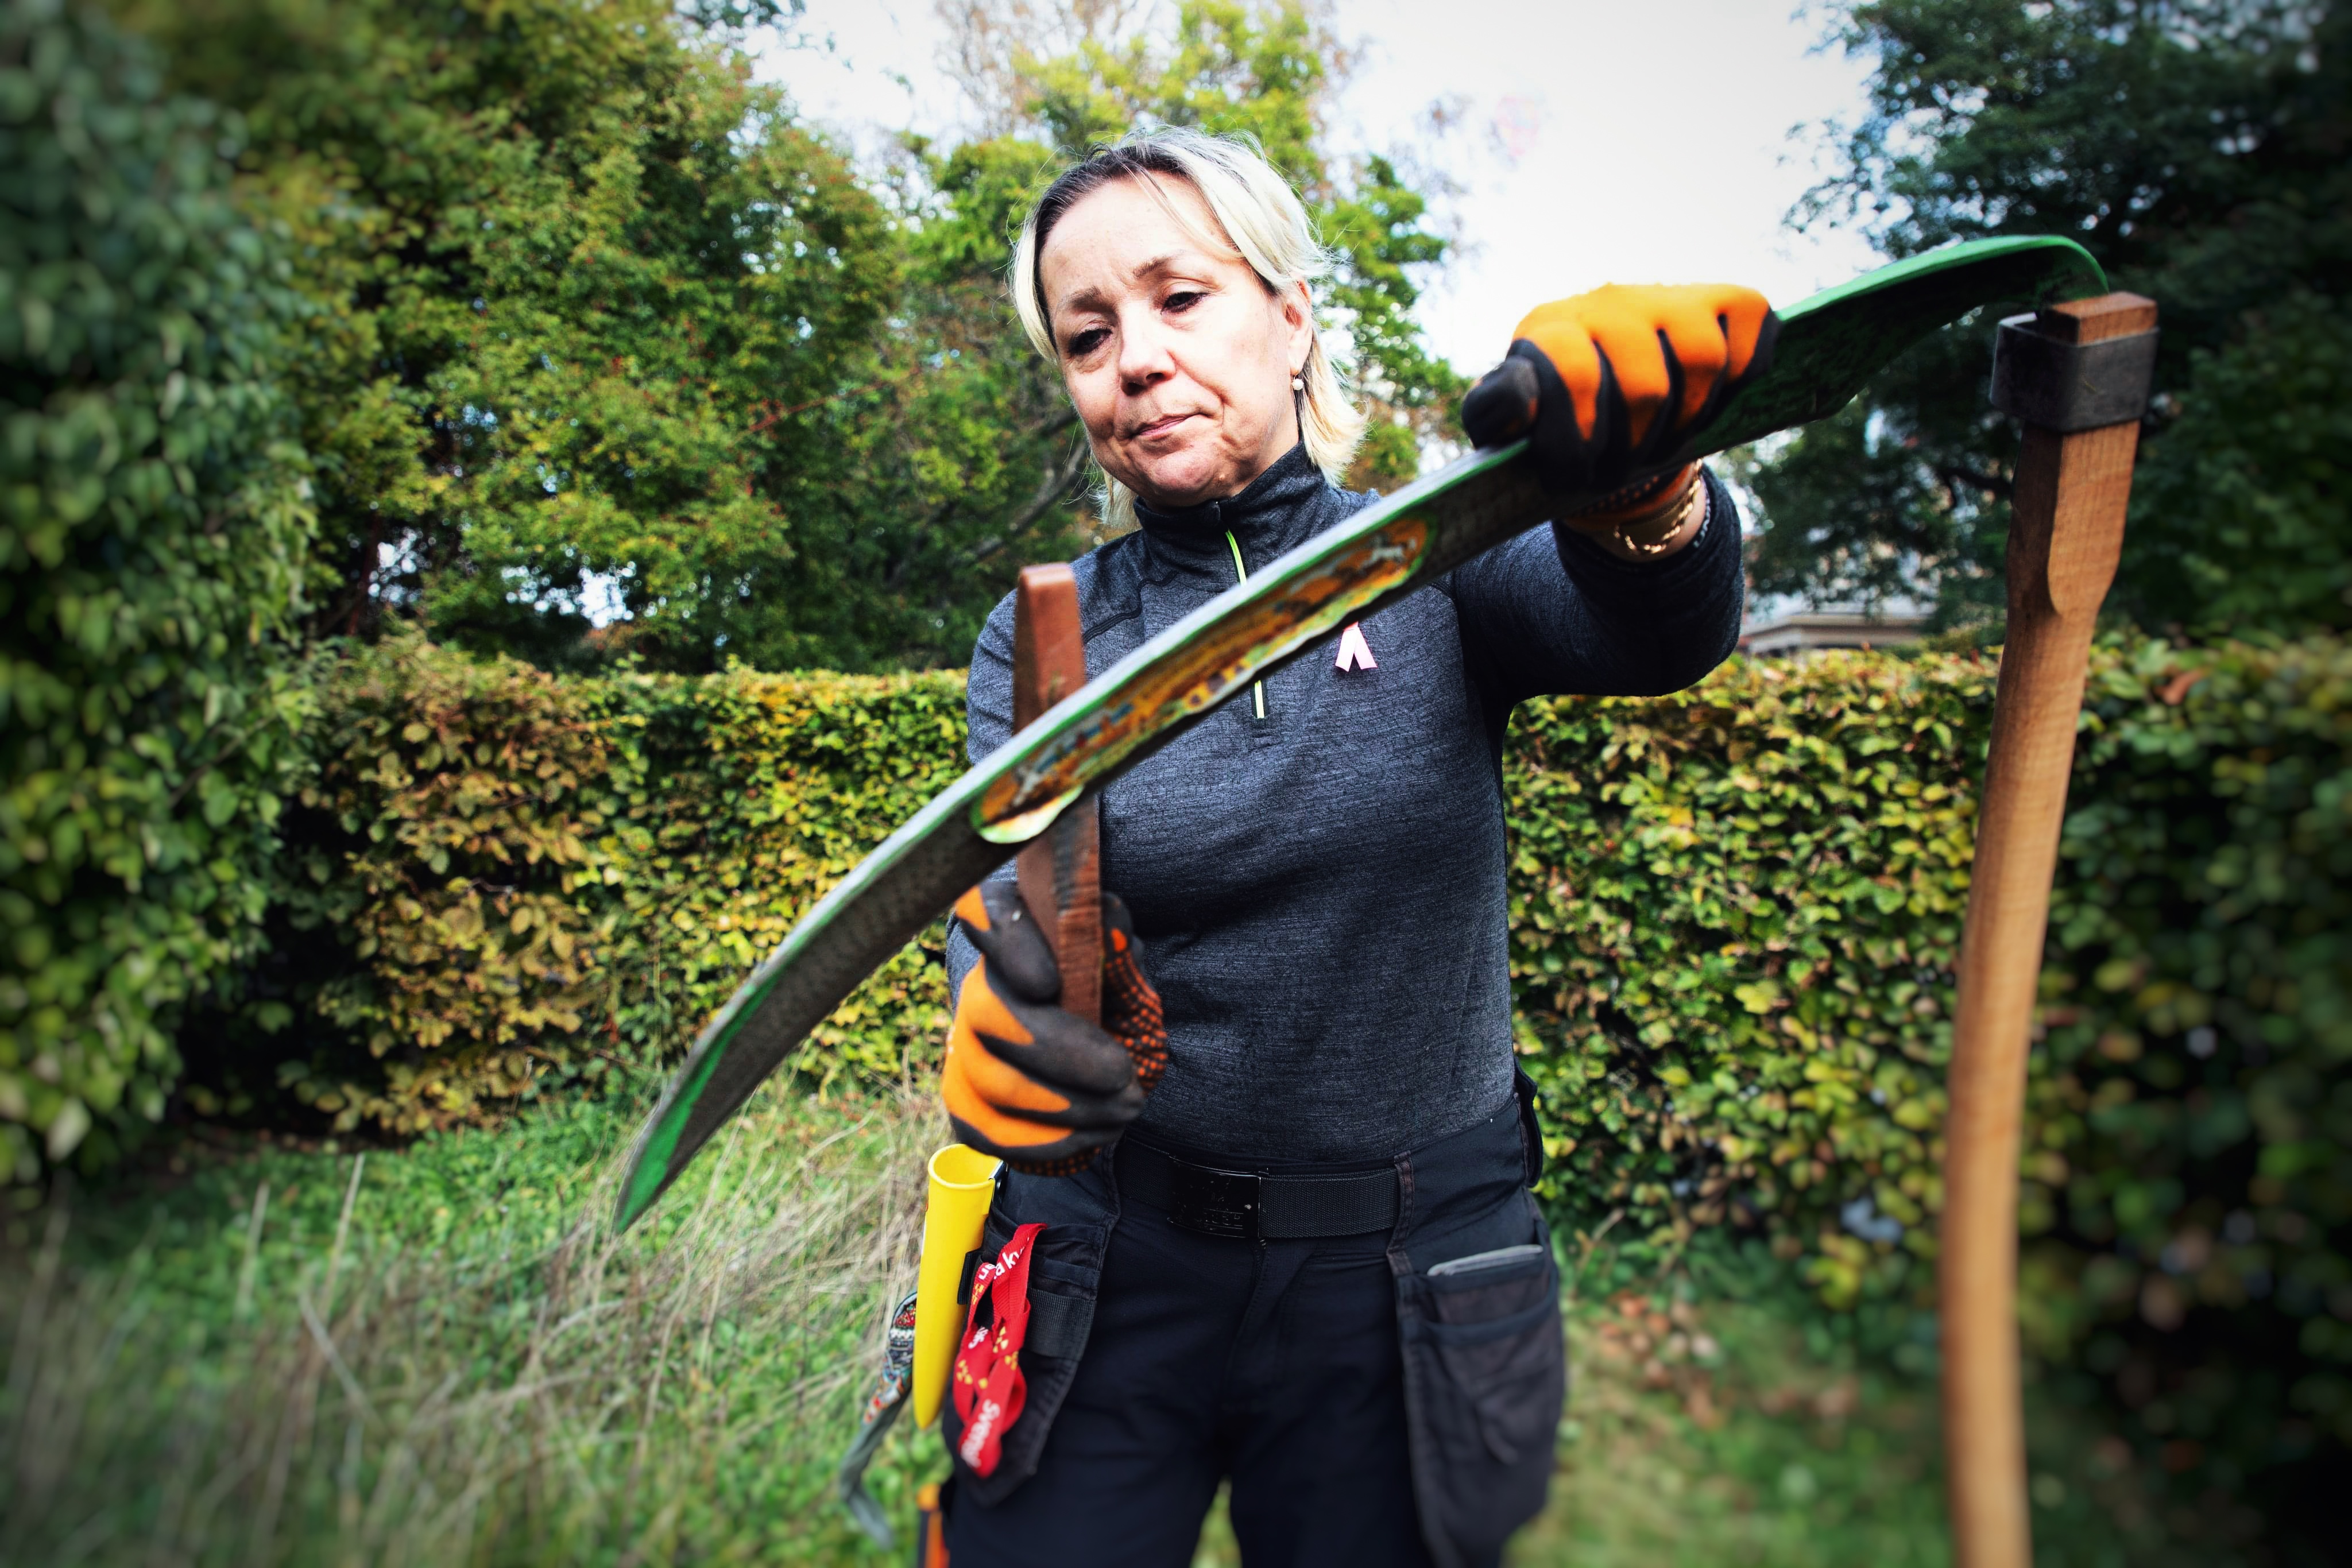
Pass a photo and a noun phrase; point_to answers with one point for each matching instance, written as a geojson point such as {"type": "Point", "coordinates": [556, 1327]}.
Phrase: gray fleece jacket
{"type": "Point", "coordinates": [1320, 894]}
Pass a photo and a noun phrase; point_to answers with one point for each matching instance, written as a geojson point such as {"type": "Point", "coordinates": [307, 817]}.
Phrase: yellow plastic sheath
{"type": "Point", "coordinates": [963, 1184]}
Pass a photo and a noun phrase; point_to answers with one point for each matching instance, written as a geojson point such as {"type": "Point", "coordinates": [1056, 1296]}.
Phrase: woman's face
{"type": "Point", "coordinates": [1177, 358]}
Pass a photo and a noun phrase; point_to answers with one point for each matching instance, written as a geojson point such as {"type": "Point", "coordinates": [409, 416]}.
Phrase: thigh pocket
{"type": "Point", "coordinates": [1064, 1276]}
{"type": "Point", "coordinates": [1486, 1375]}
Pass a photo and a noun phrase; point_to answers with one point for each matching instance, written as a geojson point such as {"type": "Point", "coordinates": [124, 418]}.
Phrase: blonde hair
{"type": "Point", "coordinates": [1260, 218]}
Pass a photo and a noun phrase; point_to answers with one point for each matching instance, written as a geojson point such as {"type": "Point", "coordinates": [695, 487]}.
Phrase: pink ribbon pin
{"type": "Point", "coordinates": [1354, 653]}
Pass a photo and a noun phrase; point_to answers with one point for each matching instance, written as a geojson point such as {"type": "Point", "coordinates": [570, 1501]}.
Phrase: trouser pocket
{"type": "Point", "coordinates": [1064, 1276]}
{"type": "Point", "coordinates": [1485, 1376]}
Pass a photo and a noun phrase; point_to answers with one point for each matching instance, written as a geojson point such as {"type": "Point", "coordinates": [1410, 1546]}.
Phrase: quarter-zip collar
{"type": "Point", "coordinates": [1280, 510]}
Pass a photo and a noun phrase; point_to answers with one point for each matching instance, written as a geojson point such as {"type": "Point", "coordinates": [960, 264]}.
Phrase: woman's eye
{"type": "Point", "coordinates": [1182, 300]}
{"type": "Point", "coordinates": [1080, 344]}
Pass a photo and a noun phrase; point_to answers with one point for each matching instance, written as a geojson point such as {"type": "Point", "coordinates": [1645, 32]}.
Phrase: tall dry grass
{"type": "Point", "coordinates": [440, 1357]}
{"type": "Point", "coordinates": [490, 1378]}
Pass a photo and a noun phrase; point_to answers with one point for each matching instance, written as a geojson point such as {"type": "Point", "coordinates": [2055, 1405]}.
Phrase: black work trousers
{"type": "Point", "coordinates": [1274, 1362]}
{"type": "Point", "coordinates": [1379, 1401]}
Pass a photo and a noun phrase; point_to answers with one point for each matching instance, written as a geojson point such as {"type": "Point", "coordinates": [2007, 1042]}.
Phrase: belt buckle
{"type": "Point", "coordinates": [1213, 1202]}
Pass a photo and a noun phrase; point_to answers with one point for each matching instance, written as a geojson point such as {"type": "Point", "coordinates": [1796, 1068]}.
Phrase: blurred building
{"type": "Point", "coordinates": [1803, 631]}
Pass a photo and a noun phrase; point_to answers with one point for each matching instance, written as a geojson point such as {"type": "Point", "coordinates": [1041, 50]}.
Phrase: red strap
{"type": "Point", "coordinates": [989, 1388]}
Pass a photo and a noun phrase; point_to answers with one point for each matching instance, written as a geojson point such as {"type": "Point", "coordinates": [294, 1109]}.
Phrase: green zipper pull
{"type": "Point", "coordinates": [1257, 688]}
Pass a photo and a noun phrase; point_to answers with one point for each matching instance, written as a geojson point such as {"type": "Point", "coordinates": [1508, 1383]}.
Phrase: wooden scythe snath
{"type": "Point", "coordinates": [2077, 375]}
{"type": "Point", "coordinates": [1059, 869]}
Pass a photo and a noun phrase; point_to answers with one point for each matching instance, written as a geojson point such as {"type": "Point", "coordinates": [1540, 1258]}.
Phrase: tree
{"type": "Point", "coordinates": [576, 279]}
{"type": "Point", "coordinates": [153, 527]}
{"type": "Point", "coordinates": [961, 461]}
{"type": "Point", "coordinates": [2197, 147]}
{"type": "Point", "coordinates": [596, 318]}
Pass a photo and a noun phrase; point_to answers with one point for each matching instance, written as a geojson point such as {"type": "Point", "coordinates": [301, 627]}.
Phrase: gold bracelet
{"type": "Point", "coordinates": [1653, 535]}
{"type": "Point", "coordinates": [1644, 516]}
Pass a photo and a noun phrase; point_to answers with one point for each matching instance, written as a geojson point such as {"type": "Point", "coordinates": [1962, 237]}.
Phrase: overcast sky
{"type": "Point", "coordinates": [1602, 141]}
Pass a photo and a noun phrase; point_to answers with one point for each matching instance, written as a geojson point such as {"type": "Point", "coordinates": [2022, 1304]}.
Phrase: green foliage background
{"type": "Point", "coordinates": [2197, 148]}
{"type": "Point", "coordinates": [1735, 914]}
{"type": "Point", "coordinates": [568, 268]}
{"type": "Point", "coordinates": [600, 324]}
{"type": "Point", "coordinates": [154, 527]}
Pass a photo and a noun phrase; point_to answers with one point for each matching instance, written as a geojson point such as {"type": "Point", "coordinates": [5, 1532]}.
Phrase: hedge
{"type": "Point", "coordinates": [523, 878]}
{"type": "Point", "coordinates": [1734, 912]}
{"type": "Point", "coordinates": [154, 517]}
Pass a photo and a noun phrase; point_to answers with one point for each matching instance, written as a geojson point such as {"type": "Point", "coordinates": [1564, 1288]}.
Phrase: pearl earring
{"type": "Point", "coordinates": [1297, 385]}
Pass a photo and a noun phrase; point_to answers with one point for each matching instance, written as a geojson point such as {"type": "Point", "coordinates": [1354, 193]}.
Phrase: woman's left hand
{"type": "Point", "coordinates": [1609, 383]}
{"type": "Point", "coordinates": [1038, 1087]}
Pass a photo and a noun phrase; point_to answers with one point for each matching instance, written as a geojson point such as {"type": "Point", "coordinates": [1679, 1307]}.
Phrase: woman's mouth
{"type": "Point", "coordinates": [1159, 427]}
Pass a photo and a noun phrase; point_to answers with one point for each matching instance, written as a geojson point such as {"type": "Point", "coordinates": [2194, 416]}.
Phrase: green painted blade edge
{"type": "Point", "coordinates": [2066, 259]}
{"type": "Point", "coordinates": [2038, 268]}
{"type": "Point", "coordinates": [1849, 333]}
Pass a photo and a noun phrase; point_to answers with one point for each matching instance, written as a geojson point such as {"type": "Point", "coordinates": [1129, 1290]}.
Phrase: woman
{"type": "Point", "coordinates": [1301, 1257]}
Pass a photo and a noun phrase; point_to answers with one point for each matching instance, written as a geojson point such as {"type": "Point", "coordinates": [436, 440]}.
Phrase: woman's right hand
{"type": "Point", "coordinates": [1609, 383]}
{"type": "Point", "coordinates": [1040, 1088]}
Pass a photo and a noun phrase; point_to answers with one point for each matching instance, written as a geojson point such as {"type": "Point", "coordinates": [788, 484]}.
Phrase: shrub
{"type": "Point", "coordinates": [152, 526]}
{"type": "Point", "coordinates": [469, 793]}
{"type": "Point", "coordinates": [531, 876]}
{"type": "Point", "coordinates": [1735, 912]}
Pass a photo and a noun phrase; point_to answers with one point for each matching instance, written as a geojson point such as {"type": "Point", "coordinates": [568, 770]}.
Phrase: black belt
{"type": "Point", "coordinates": [1248, 1205]}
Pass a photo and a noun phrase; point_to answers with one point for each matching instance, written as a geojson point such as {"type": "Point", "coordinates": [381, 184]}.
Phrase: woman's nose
{"type": "Point", "coordinates": [1143, 356]}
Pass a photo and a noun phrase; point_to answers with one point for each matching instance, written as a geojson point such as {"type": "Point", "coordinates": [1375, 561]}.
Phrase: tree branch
{"type": "Point", "coordinates": [1058, 479]}
{"type": "Point", "coordinates": [1990, 483]}
{"type": "Point", "coordinates": [1058, 420]}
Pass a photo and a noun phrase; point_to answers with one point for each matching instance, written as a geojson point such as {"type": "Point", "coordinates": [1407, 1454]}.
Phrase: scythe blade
{"type": "Point", "coordinates": [1829, 345]}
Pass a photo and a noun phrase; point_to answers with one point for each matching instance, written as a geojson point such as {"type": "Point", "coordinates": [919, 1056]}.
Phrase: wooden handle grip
{"type": "Point", "coordinates": [1059, 870]}
{"type": "Point", "coordinates": [2066, 531]}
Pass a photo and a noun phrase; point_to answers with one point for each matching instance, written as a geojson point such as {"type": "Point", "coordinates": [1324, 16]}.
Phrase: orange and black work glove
{"type": "Point", "coordinates": [1611, 383]}
{"type": "Point", "coordinates": [1040, 1088]}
